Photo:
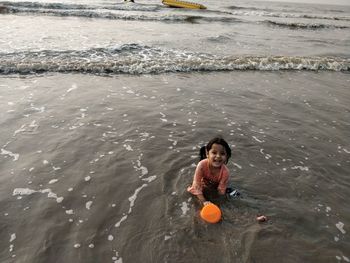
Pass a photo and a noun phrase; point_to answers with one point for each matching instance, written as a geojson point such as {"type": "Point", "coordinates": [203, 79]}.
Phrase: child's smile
{"type": "Point", "coordinates": [217, 155]}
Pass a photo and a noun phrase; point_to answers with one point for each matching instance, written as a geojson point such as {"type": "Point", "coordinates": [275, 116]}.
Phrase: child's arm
{"type": "Point", "coordinates": [196, 188]}
{"type": "Point", "coordinates": [202, 199]}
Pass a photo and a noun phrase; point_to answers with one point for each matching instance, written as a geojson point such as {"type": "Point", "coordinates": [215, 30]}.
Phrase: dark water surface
{"type": "Point", "coordinates": [104, 106]}
{"type": "Point", "coordinates": [94, 169]}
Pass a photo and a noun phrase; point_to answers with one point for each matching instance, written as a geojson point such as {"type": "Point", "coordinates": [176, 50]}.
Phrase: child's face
{"type": "Point", "coordinates": [217, 155]}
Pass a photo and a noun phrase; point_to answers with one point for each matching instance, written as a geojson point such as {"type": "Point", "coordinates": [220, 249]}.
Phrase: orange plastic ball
{"type": "Point", "coordinates": [211, 213]}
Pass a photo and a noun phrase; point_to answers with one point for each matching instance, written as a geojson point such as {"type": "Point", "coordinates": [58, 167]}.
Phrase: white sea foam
{"type": "Point", "coordinates": [11, 154]}
{"type": "Point", "coordinates": [237, 165]}
{"type": "Point", "coordinates": [88, 205]}
{"type": "Point", "coordinates": [150, 178]}
{"type": "Point", "coordinates": [184, 208]}
{"type": "Point", "coordinates": [258, 140]}
{"type": "Point", "coordinates": [87, 178]}
{"type": "Point", "coordinates": [174, 142]}
{"type": "Point", "coordinates": [346, 259]}
{"type": "Point", "coordinates": [128, 147]}
{"type": "Point", "coordinates": [22, 129]}
{"type": "Point", "coordinates": [267, 156]}
{"type": "Point", "coordinates": [132, 200]}
{"type": "Point", "coordinates": [301, 168]}
{"type": "Point", "coordinates": [124, 217]}
{"type": "Point", "coordinates": [12, 237]}
{"type": "Point", "coordinates": [23, 191]}
{"type": "Point", "coordinates": [340, 226]}
{"type": "Point", "coordinates": [117, 258]}
{"type": "Point", "coordinates": [140, 167]}
{"type": "Point", "coordinates": [38, 109]}
{"type": "Point", "coordinates": [27, 191]}
{"type": "Point", "coordinates": [53, 181]}
{"type": "Point", "coordinates": [29, 128]}
{"type": "Point", "coordinates": [74, 87]}
{"type": "Point", "coordinates": [144, 135]}
{"type": "Point", "coordinates": [130, 91]}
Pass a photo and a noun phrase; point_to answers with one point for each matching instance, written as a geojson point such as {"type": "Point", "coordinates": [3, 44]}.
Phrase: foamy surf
{"type": "Point", "coordinates": [152, 12]}
{"type": "Point", "coordinates": [141, 59]}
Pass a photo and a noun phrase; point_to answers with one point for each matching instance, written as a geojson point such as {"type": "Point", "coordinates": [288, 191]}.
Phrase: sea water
{"type": "Point", "coordinates": [104, 106]}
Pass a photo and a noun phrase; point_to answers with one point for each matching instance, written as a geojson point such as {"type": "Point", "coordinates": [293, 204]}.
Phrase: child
{"type": "Point", "coordinates": [211, 172]}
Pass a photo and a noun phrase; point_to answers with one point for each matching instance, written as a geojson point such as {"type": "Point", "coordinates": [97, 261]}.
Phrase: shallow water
{"type": "Point", "coordinates": [104, 107]}
{"type": "Point", "coordinates": [117, 154]}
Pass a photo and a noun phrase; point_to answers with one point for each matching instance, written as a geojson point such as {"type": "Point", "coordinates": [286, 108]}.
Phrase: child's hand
{"type": "Point", "coordinates": [206, 203]}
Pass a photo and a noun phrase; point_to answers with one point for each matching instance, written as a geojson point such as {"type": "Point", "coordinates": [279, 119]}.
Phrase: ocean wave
{"type": "Point", "coordinates": [44, 5]}
{"type": "Point", "coordinates": [16, 6]}
{"type": "Point", "coordinates": [151, 12]}
{"type": "Point", "coordinates": [263, 13]}
{"type": "Point", "coordinates": [295, 25]}
{"type": "Point", "coordinates": [103, 14]}
{"type": "Point", "coordinates": [108, 12]}
{"type": "Point", "coordinates": [220, 38]}
{"type": "Point", "coordinates": [234, 7]}
{"type": "Point", "coordinates": [111, 12]}
{"type": "Point", "coordinates": [280, 9]}
{"type": "Point", "coordinates": [140, 59]}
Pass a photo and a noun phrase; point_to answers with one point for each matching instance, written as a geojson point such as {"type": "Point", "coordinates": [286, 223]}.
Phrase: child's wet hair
{"type": "Point", "coordinates": [218, 140]}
